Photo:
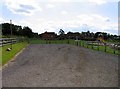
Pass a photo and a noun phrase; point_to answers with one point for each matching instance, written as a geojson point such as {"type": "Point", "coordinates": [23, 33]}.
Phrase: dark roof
{"type": "Point", "coordinates": [49, 33]}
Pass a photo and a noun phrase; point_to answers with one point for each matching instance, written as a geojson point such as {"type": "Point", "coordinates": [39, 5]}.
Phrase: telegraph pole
{"type": "Point", "coordinates": [11, 32]}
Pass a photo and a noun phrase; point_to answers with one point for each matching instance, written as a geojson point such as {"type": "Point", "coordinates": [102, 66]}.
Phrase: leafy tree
{"type": "Point", "coordinates": [61, 32]}
{"type": "Point", "coordinates": [16, 30]}
{"type": "Point", "coordinates": [27, 32]}
{"type": "Point", "coordinates": [97, 34]}
{"type": "Point", "coordinates": [6, 29]}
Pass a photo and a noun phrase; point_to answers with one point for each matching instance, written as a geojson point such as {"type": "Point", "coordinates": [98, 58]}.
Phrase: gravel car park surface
{"type": "Point", "coordinates": [61, 65]}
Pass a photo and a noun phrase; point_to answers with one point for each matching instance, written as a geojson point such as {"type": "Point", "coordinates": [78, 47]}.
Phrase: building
{"type": "Point", "coordinates": [71, 35]}
{"type": "Point", "coordinates": [48, 35]}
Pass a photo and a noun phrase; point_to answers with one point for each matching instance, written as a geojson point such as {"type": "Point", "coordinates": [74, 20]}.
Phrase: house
{"type": "Point", "coordinates": [48, 35]}
{"type": "Point", "coordinates": [71, 35]}
{"type": "Point", "coordinates": [87, 36]}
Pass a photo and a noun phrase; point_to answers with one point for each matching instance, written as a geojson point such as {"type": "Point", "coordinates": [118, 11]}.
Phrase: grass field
{"type": "Point", "coordinates": [38, 41]}
{"type": "Point", "coordinates": [80, 43]}
{"type": "Point", "coordinates": [7, 55]}
{"type": "Point", "coordinates": [100, 48]}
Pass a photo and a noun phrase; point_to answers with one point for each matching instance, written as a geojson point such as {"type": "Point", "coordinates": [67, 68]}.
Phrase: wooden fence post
{"type": "Point", "coordinates": [92, 45]}
{"type": "Point", "coordinates": [87, 44]}
{"type": "Point", "coordinates": [114, 48]}
{"type": "Point", "coordinates": [2, 42]}
{"type": "Point", "coordinates": [105, 47]}
{"type": "Point", "coordinates": [11, 43]}
{"type": "Point", "coordinates": [46, 41]}
{"type": "Point", "coordinates": [77, 43]}
{"type": "Point", "coordinates": [98, 46]}
{"type": "Point", "coordinates": [83, 44]}
{"type": "Point", "coordinates": [80, 42]}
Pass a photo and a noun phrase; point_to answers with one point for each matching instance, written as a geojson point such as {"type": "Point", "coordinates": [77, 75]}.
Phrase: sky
{"type": "Point", "coordinates": [69, 15]}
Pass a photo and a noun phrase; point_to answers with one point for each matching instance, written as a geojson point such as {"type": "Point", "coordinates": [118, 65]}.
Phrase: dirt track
{"type": "Point", "coordinates": [61, 66]}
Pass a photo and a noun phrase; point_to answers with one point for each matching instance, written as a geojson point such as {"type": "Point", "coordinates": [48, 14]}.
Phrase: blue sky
{"type": "Point", "coordinates": [70, 15]}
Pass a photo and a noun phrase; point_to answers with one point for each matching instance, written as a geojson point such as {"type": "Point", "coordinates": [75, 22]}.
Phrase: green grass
{"type": "Point", "coordinates": [7, 55]}
{"type": "Point", "coordinates": [73, 42]}
{"type": "Point", "coordinates": [99, 48]}
{"type": "Point", "coordinates": [38, 41]}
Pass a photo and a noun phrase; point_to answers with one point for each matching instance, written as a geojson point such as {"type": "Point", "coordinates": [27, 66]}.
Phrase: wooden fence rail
{"type": "Point", "coordinates": [6, 41]}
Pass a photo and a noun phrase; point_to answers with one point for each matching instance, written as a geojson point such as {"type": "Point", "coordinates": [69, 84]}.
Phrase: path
{"type": "Point", "coordinates": [52, 65]}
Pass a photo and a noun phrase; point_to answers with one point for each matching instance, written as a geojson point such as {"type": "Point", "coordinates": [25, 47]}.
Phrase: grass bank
{"type": "Point", "coordinates": [8, 55]}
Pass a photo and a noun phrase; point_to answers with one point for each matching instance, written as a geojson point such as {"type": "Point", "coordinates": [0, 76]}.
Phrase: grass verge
{"type": "Point", "coordinates": [8, 55]}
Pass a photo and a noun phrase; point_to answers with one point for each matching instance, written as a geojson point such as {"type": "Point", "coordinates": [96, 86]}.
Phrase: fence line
{"type": "Point", "coordinates": [106, 47]}
{"type": "Point", "coordinates": [95, 45]}
{"type": "Point", "coordinates": [88, 44]}
{"type": "Point", "coordinates": [6, 41]}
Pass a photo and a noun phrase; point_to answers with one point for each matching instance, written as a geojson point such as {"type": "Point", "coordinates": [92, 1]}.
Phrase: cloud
{"type": "Point", "coordinates": [64, 12]}
{"type": "Point", "coordinates": [93, 19]}
{"type": "Point", "coordinates": [1, 20]}
{"type": "Point", "coordinates": [26, 7]}
{"type": "Point", "coordinates": [59, 0]}
{"type": "Point", "coordinates": [4, 20]}
{"type": "Point", "coordinates": [22, 11]}
{"type": "Point", "coordinates": [59, 16]}
{"type": "Point", "coordinates": [99, 2]}
{"type": "Point", "coordinates": [83, 22]}
{"type": "Point", "coordinates": [29, 7]}
{"type": "Point", "coordinates": [50, 6]}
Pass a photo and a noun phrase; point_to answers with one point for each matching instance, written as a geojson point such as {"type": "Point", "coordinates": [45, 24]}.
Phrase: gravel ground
{"type": "Point", "coordinates": [52, 65]}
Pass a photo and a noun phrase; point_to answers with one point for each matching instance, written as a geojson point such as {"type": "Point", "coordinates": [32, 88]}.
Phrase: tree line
{"type": "Point", "coordinates": [16, 30]}
{"type": "Point", "coordinates": [88, 35]}
{"type": "Point", "coordinates": [27, 32]}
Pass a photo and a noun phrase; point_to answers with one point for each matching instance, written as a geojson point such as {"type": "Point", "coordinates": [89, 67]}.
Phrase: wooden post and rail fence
{"type": "Point", "coordinates": [10, 41]}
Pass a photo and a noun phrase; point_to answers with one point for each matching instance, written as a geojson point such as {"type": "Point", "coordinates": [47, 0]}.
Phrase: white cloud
{"type": "Point", "coordinates": [53, 20]}
{"type": "Point", "coordinates": [59, 0]}
{"type": "Point", "coordinates": [50, 6]}
{"type": "Point", "coordinates": [98, 22]}
{"type": "Point", "coordinates": [64, 12]}
{"type": "Point", "coordinates": [99, 2]}
{"type": "Point", "coordinates": [1, 20]}
{"type": "Point", "coordinates": [92, 21]}
{"type": "Point", "coordinates": [26, 7]}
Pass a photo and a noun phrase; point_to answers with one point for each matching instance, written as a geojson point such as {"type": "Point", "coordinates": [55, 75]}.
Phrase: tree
{"type": "Point", "coordinates": [27, 32]}
{"type": "Point", "coordinates": [88, 33]}
{"type": "Point", "coordinates": [61, 32]}
{"type": "Point", "coordinates": [16, 30]}
{"type": "Point", "coordinates": [97, 34]}
{"type": "Point", "coordinates": [6, 29]}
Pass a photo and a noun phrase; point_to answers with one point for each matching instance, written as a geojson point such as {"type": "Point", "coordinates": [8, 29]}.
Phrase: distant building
{"type": "Point", "coordinates": [48, 35]}
{"type": "Point", "coordinates": [71, 35]}
{"type": "Point", "coordinates": [87, 36]}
